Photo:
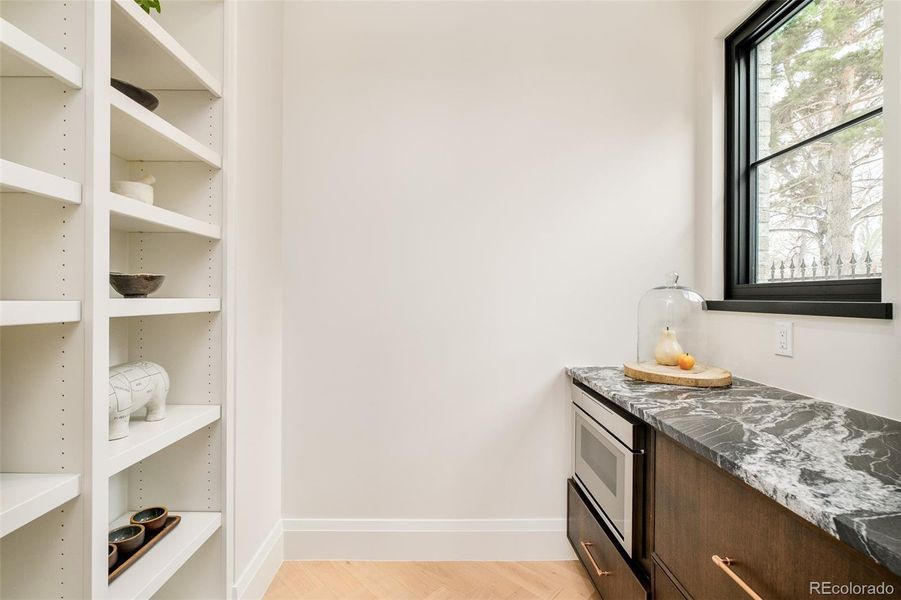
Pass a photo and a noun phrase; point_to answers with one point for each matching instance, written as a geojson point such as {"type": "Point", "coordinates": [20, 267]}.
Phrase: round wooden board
{"type": "Point", "coordinates": [699, 376]}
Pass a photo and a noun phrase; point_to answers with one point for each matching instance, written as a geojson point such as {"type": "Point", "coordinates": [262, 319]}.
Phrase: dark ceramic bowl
{"type": "Point", "coordinates": [152, 518]}
{"type": "Point", "coordinates": [137, 285]}
{"type": "Point", "coordinates": [139, 95]}
{"type": "Point", "coordinates": [127, 538]}
{"type": "Point", "coordinates": [113, 555]}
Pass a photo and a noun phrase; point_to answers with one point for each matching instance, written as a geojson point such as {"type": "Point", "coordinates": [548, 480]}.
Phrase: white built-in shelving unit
{"type": "Point", "coordinates": [26, 496]}
{"type": "Point", "coordinates": [137, 217]}
{"type": "Point", "coordinates": [39, 312]}
{"type": "Point", "coordinates": [149, 437]}
{"type": "Point", "coordinates": [43, 241]}
{"type": "Point", "coordinates": [24, 56]}
{"type": "Point", "coordinates": [146, 307]}
{"type": "Point", "coordinates": [148, 576]}
{"type": "Point", "coordinates": [19, 178]}
{"type": "Point", "coordinates": [65, 134]}
{"type": "Point", "coordinates": [138, 134]}
{"type": "Point", "coordinates": [153, 57]}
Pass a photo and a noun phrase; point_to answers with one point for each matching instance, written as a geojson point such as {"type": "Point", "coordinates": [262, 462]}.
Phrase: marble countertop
{"type": "Point", "coordinates": [837, 467]}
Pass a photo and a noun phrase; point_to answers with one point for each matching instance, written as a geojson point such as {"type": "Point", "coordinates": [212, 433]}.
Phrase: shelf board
{"type": "Point", "coordinates": [37, 312]}
{"type": "Point", "coordinates": [145, 307]}
{"type": "Point", "coordinates": [138, 134]}
{"type": "Point", "coordinates": [26, 496]}
{"type": "Point", "coordinates": [148, 437]}
{"type": "Point", "coordinates": [23, 56]}
{"type": "Point", "coordinates": [19, 178]}
{"type": "Point", "coordinates": [128, 214]}
{"type": "Point", "coordinates": [146, 55]}
{"type": "Point", "coordinates": [144, 578]}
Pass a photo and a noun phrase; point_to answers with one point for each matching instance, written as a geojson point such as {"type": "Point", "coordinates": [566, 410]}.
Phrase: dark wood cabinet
{"type": "Point", "coordinates": [702, 511]}
{"type": "Point", "coordinates": [609, 569]}
{"type": "Point", "coordinates": [664, 587]}
{"type": "Point", "coordinates": [678, 516]}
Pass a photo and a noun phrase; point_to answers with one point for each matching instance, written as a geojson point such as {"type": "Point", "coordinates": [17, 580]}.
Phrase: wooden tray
{"type": "Point", "coordinates": [122, 564]}
{"type": "Point", "coordinates": [699, 376]}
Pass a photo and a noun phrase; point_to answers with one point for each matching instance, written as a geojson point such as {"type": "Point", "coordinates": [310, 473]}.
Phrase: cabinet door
{"type": "Point", "coordinates": [775, 552]}
{"type": "Point", "coordinates": [678, 519]}
{"type": "Point", "coordinates": [704, 512]}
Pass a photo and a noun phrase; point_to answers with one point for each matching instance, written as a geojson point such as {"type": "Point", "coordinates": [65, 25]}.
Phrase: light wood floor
{"type": "Point", "coordinates": [332, 580]}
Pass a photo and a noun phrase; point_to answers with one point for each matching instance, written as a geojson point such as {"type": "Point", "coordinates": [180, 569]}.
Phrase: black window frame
{"type": "Point", "coordinates": [843, 297]}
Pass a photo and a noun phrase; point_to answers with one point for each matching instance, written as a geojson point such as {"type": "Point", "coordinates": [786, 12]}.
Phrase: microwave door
{"type": "Point", "coordinates": [604, 466]}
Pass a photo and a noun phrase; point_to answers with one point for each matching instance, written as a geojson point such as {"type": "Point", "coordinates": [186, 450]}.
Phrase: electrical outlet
{"type": "Point", "coordinates": [784, 341]}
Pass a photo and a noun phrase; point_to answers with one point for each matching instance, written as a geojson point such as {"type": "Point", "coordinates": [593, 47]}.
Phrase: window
{"type": "Point", "coordinates": [804, 159]}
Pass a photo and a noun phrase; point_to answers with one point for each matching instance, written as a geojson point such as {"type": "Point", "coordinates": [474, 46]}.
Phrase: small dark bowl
{"type": "Point", "coordinates": [127, 538]}
{"type": "Point", "coordinates": [139, 95]}
{"type": "Point", "coordinates": [152, 518]}
{"type": "Point", "coordinates": [137, 285]}
{"type": "Point", "coordinates": [113, 555]}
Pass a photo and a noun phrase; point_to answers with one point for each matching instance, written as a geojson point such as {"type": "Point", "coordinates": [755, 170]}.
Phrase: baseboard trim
{"type": "Point", "coordinates": [255, 580]}
{"type": "Point", "coordinates": [426, 539]}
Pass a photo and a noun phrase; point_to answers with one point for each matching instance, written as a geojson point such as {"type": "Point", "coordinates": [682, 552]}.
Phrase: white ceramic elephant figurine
{"type": "Point", "coordinates": [132, 386]}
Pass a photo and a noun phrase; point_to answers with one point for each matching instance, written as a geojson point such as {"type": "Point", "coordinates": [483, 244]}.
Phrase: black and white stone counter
{"type": "Point", "coordinates": [837, 467]}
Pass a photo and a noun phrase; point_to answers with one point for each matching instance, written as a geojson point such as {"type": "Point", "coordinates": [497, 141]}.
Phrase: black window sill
{"type": "Point", "coordinates": [860, 310]}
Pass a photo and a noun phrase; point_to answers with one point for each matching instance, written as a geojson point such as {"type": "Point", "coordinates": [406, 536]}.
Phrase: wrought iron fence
{"type": "Point", "coordinates": [853, 268]}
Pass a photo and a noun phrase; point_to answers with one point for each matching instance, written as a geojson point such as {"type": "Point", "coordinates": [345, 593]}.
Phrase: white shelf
{"type": "Point", "coordinates": [23, 56]}
{"type": "Point", "coordinates": [148, 437]}
{"type": "Point", "coordinates": [144, 578]}
{"type": "Point", "coordinates": [37, 312]}
{"type": "Point", "coordinates": [128, 214]}
{"type": "Point", "coordinates": [146, 55]}
{"type": "Point", "coordinates": [138, 134]}
{"type": "Point", "coordinates": [145, 307]}
{"type": "Point", "coordinates": [19, 178]}
{"type": "Point", "coordinates": [26, 496]}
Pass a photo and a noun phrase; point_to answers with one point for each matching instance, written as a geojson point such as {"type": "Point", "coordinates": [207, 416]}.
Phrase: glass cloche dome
{"type": "Point", "coordinates": [671, 321]}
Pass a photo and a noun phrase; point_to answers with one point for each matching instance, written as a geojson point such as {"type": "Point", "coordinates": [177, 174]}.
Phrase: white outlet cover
{"type": "Point", "coordinates": [784, 338]}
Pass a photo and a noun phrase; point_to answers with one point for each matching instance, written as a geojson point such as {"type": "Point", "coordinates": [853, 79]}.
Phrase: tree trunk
{"type": "Point", "coordinates": [839, 235]}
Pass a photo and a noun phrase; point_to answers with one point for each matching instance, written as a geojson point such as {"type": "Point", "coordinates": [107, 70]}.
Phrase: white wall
{"type": "Point", "coordinates": [855, 362]}
{"type": "Point", "coordinates": [475, 195]}
{"type": "Point", "coordinates": [257, 162]}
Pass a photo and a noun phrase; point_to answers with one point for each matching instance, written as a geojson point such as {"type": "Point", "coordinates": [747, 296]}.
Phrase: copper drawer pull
{"type": "Point", "coordinates": [724, 564]}
{"type": "Point", "coordinates": [597, 569]}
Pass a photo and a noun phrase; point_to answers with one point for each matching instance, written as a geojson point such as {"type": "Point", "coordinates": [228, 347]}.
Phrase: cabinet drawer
{"type": "Point", "coordinates": [703, 512]}
{"type": "Point", "coordinates": [664, 587]}
{"type": "Point", "coordinates": [616, 580]}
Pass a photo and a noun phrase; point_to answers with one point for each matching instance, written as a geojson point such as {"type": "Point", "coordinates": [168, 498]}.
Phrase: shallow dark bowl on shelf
{"type": "Point", "coordinates": [139, 95]}
{"type": "Point", "coordinates": [137, 285]}
{"type": "Point", "coordinates": [113, 555]}
{"type": "Point", "coordinates": [127, 538]}
{"type": "Point", "coordinates": [152, 518]}
{"type": "Point", "coordinates": [150, 540]}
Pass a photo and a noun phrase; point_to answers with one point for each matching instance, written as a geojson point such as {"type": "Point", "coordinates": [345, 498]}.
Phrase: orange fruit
{"type": "Point", "coordinates": [686, 361]}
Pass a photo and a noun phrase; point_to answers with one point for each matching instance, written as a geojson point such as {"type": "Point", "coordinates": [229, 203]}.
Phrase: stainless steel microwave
{"type": "Point", "coordinates": [608, 464]}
